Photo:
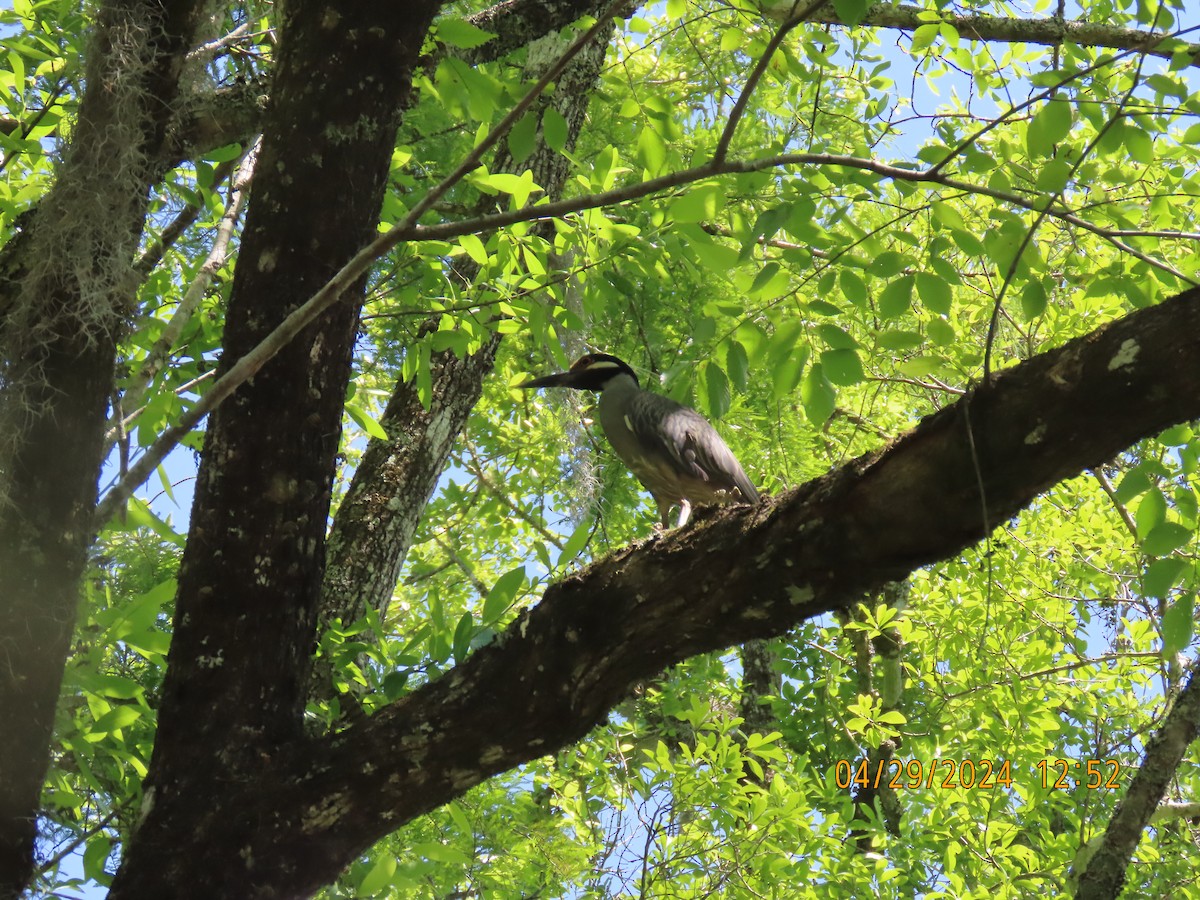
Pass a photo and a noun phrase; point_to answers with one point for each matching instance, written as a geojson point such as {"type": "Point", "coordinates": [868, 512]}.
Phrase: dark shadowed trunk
{"type": "Point", "coordinates": [251, 575]}
{"type": "Point", "coordinates": [66, 294]}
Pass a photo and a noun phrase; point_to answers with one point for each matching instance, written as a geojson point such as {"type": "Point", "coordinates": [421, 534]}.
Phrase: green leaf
{"type": "Point", "coordinates": [1125, 137]}
{"type": "Point", "coordinates": [117, 686]}
{"type": "Point", "coordinates": [1162, 575]}
{"type": "Point", "coordinates": [817, 396]}
{"type": "Point", "coordinates": [967, 242]}
{"type": "Point", "coordinates": [1133, 484]}
{"type": "Point", "coordinates": [737, 364]}
{"type": "Point", "coordinates": [1179, 624]}
{"type": "Point", "coordinates": [842, 367]}
{"type": "Point", "coordinates": [896, 297]}
{"type": "Point", "coordinates": [1053, 176]}
{"type": "Point", "coordinates": [463, 632]}
{"type": "Point", "coordinates": [117, 718]}
{"type": "Point", "coordinates": [441, 853]}
{"type": "Point", "coordinates": [143, 612]}
{"type": "Point", "coordinates": [947, 216]}
{"type": "Point", "coordinates": [574, 545]}
{"type": "Point", "coordinates": [522, 137]}
{"type": "Point", "coordinates": [520, 186]}
{"type": "Point", "coordinates": [460, 33]}
{"type": "Point", "coordinates": [853, 287]}
{"type": "Point", "coordinates": [1003, 243]}
{"type": "Point", "coordinates": [366, 421]}
{"type": "Point", "coordinates": [786, 369]}
{"type": "Point", "coordinates": [837, 338]}
{"type": "Point", "coordinates": [474, 247]}
{"type": "Point", "coordinates": [95, 856]}
{"type": "Point", "coordinates": [554, 129]}
{"type": "Point", "coordinates": [139, 515]}
{"type": "Point", "coordinates": [851, 12]}
{"type": "Point", "coordinates": [1151, 512]}
{"type": "Point", "coordinates": [1177, 436]}
{"type": "Point", "coordinates": [763, 278]}
{"type": "Point", "coordinates": [1033, 300]}
{"type": "Point", "coordinates": [1140, 145]}
{"type": "Point", "coordinates": [715, 385]}
{"type": "Point", "coordinates": [651, 151]}
{"type": "Point", "coordinates": [378, 877]}
{"type": "Point", "coordinates": [394, 683]}
{"type": "Point", "coordinates": [228, 153]}
{"type": "Point", "coordinates": [699, 203]}
{"type": "Point", "coordinates": [899, 340]}
{"type": "Point", "coordinates": [1165, 538]}
{"type": "Point", "coordinates": [504, 592]}
{"type": "Point", "coordinates": [924, 36]}
{"type": "Point", "coordinates": [920, 366]}
{"type": "Point", "coordinates": [935, 293]}
{"type": "Point", "coordinates": [888, 263]}
{"type": "Point", "coordinates": [1049, 127]}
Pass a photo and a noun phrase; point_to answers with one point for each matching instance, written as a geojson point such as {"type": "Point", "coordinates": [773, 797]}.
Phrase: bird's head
{"type": "Point", "coordinates": [589, 373]}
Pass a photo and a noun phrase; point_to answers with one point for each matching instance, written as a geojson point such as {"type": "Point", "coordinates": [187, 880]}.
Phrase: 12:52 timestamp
{"type": "Point", "coordinates": [1093, 774]}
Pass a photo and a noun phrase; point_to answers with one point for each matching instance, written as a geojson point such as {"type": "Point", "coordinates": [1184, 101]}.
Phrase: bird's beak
{"type": "Point", "coordinates": [559, 379]}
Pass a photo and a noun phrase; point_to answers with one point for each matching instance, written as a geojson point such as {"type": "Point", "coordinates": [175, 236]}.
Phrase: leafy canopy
{"type": "Point", "coordinates": [947, 206]}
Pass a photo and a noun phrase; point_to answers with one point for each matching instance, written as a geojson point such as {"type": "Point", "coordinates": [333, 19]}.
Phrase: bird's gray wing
{"type": "Point", "coordinates": [709, 453]}
{"type": "Point", "coordinates": [691, 444]}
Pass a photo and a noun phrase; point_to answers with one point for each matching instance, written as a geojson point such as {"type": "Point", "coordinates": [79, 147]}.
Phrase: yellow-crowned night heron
{"type": "Point", "coordinates": [673, 451]}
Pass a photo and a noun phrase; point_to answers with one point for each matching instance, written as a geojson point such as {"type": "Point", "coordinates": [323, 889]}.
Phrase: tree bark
{"type": "Point", "coordinates": [1048, 31]}
{"type": "Point", "coordinates": [250, 577]}
{"type": "Point", "coordinates": [65, 295]}
{"type": "Point", "coordinates": [1104, 875]}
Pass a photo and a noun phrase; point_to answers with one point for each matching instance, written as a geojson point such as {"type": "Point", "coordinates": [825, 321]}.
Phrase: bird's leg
{"type": "Point", "coordinates": [685, 512]}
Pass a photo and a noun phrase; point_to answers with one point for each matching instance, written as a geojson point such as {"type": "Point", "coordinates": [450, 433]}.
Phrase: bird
{"type": "Point", "coordinates": [672, 449]}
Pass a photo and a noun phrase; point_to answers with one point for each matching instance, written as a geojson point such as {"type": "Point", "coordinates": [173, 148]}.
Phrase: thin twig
{"type": "Point", "coordinates": [756, 74]}
{"type": "Point", "coordinates": [158, 354]}
{"type": "Point", "coordinates": [1107, 487]}
{"type": "Point", "coordinates": [157, 248]}
{"type": "Point", "coordinates": [475, 157]}
{"type": "Point", "coordinates": [215, 45]}
{"type": "Point", "coordinates": [79, 841]}
{"type": "Point", "coordinates": [247, 366]}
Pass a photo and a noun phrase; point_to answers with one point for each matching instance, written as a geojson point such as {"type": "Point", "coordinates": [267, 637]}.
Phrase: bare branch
{"type": "Point", "coordinates": [1048, 32]}
{"type": "Point", "coordinates": [157, 357]}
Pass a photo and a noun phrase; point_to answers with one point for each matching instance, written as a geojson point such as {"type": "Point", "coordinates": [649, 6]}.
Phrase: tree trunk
{"type": "Point", "coordinates": [66, 295]}
{"type": "Point", "coordinates": [250, 578]}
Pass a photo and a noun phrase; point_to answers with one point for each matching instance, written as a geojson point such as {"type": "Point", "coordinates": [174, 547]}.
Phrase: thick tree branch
{"type": "Point", "coordinates": [516, 23]}
{"type": "Point", "coordinates": [738, 574]}
{"type": "Point", "coordinates": [212, 119]}
{"type": "Point", "coordinates": [563, 664]}
{"type": "Point", "coordinates": [228, 697]}
{"type": "Point", "coordinates": [65, 292]}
